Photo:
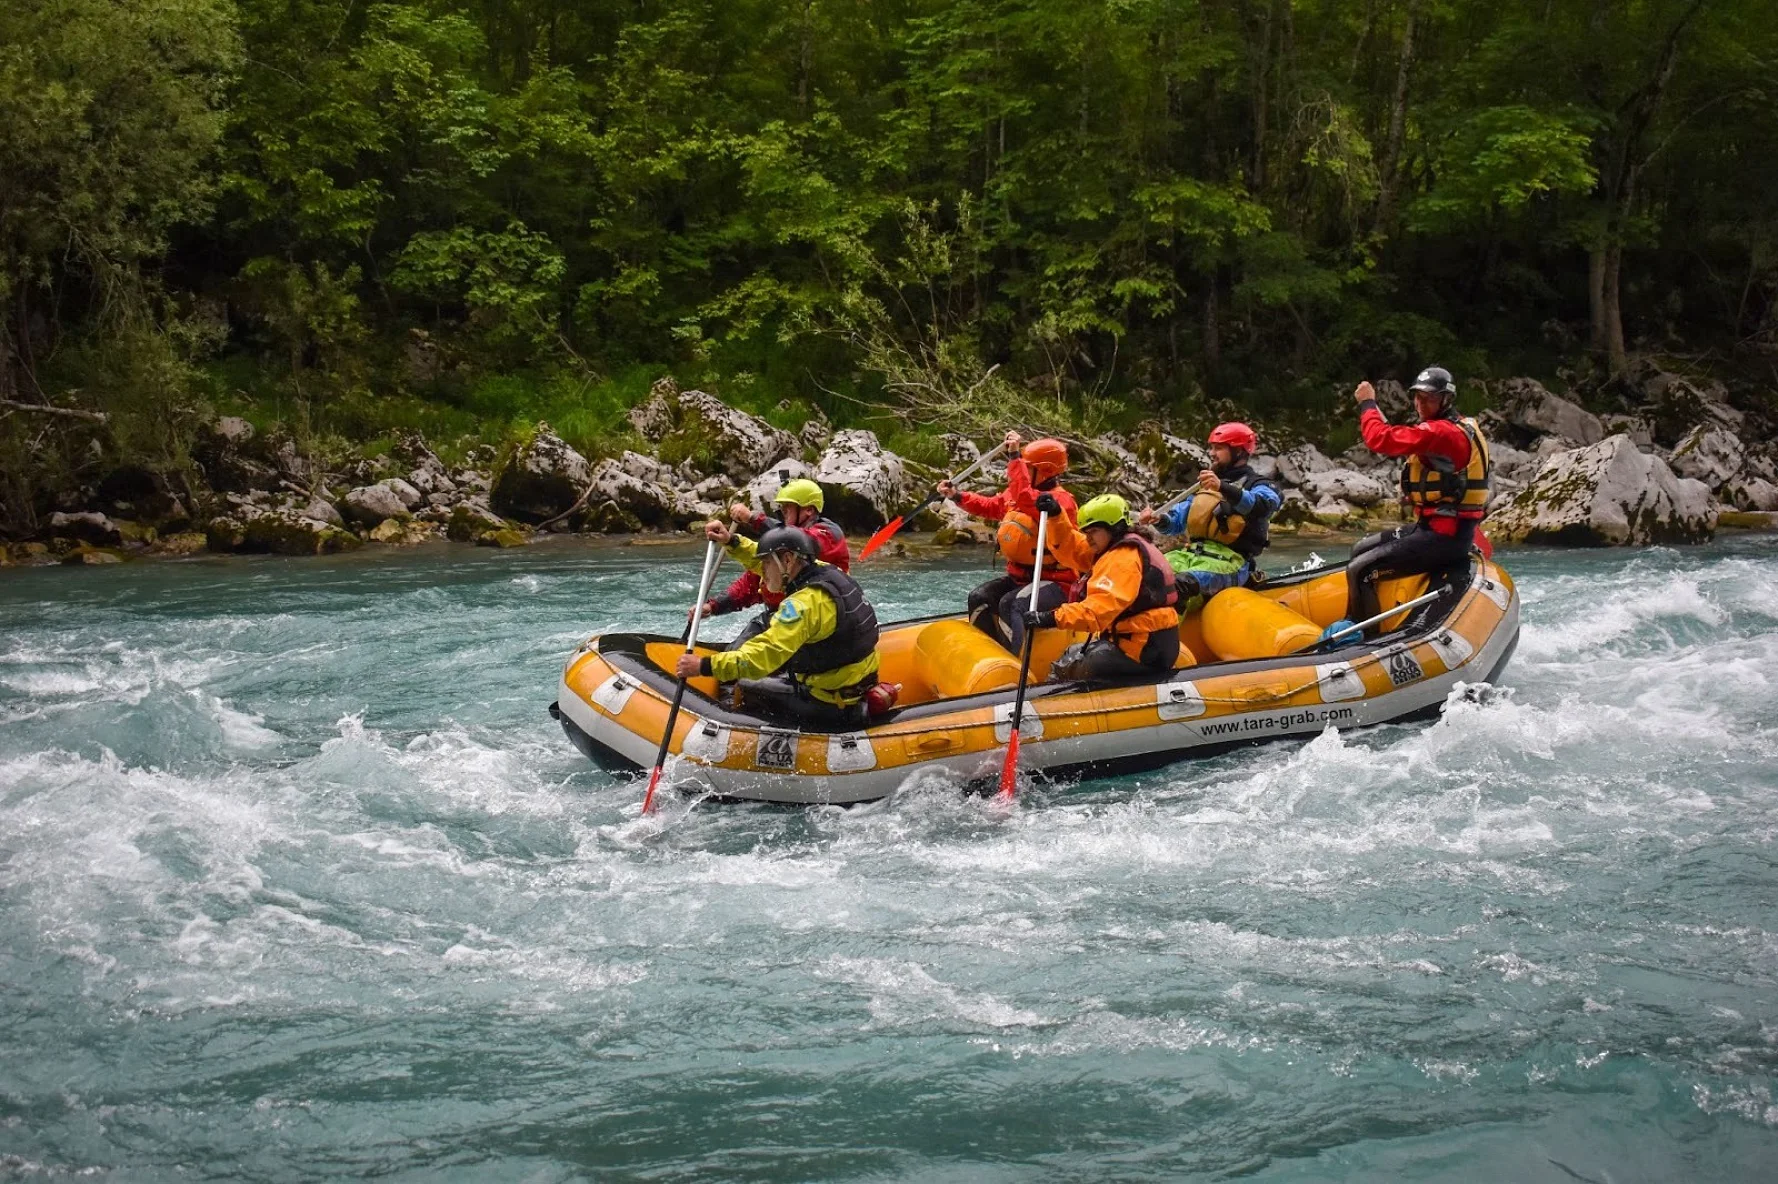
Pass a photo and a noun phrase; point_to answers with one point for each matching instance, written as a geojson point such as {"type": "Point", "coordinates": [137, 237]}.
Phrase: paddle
{"type": "Point", "coordinates": [712, 560]}
{"type": "Point", "coordinates": [1184, 497]}
{"type": "Point", "coordinates": [1416, 602]}
{"type": "Point", "coordinates": [1009, 772]}
{"type": "Point", "coordinates": [889, 529]}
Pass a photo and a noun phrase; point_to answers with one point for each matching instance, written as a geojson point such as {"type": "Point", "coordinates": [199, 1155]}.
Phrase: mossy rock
{"type": "Point", "coordinates": [91, 557]}
{"type": "Point", "coordinates": [467, 522]}
{"type": "Point", "coordinates": [402, 532]}
{"type": "Point", "coordinates": [955, 536]}
{"type": "Point", "coordinates": [607, 518]}
{"type": "Point", "coordinates": [1747, 520]}
{"type": "Point", "coordinates": [185, 542]}
{"type": "Point", "coordinates": [135, 532]}
{"type": "Point", "coordinates": [501, 538]}
{"type": "Point", "coordinates": [225, 533]}
{"type": "Point", "coordinates": [281, 535]}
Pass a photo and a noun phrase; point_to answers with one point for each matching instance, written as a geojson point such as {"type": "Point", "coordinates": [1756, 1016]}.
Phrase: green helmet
{"type": "Point", "coordinates": [1108, 509]}
{"type": "Point", "coordinates": [800, 492]}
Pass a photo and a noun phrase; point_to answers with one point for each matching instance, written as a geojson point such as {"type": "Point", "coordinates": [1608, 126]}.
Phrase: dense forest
{"type": "Point", "coordinates": [464, 215]}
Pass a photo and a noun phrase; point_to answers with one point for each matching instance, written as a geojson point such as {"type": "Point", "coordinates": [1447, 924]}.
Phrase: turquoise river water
{"type": "Point", "coordinates": [298, 881]}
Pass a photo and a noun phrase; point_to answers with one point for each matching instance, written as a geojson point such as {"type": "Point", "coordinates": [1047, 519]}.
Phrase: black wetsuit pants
{"type": "Point", "coordinates": [997, 607]}
{"type": "Point", "coordinates": [1405, 551]}
{"type": "Point", "coordinates": [1102, 661]}
{"type": "Point", "coordinates": [778, 699]}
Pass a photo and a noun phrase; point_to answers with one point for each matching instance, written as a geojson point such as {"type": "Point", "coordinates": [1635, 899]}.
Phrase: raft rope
{"type": "Point", "coordinates": [1116, 709]}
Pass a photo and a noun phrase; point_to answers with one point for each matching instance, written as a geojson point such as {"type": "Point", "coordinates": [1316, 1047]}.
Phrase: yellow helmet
{"type": "Point", "coordinates": [1108, 509]}
{"type": "Point", "coordinates": [800, 492]}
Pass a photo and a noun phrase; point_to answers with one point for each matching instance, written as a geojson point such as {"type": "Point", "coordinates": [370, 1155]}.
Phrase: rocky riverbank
{"type": "Point", "coordinates": [1677, 461]}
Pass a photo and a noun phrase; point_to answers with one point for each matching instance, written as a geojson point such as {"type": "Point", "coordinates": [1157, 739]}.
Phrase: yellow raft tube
{"type": "Point", "coordinates": [1248, 672]}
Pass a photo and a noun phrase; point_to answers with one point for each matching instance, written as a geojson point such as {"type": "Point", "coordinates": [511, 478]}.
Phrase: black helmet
{"type": "Point", "coordinates": [1435, 380]}
{"type": "Point", "coordinates": [787, 538]}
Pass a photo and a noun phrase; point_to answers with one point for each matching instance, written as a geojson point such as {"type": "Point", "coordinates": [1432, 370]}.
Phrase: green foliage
{"type": "Point", "coordinates": [917, 214]}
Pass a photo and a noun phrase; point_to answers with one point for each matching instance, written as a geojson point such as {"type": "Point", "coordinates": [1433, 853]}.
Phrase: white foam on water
{"type": "Point", "coordinates": [1596, 619]}
{"type": "Point", "coordinates": [903, 994]}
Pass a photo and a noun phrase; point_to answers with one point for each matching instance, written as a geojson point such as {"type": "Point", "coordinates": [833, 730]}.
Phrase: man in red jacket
{"type": "Point", "coordinates": [799, 503]}
{"type": "Point", "coordinates": [1445, 481]}
{"type": "Point", "coordinates": [1037, 469]}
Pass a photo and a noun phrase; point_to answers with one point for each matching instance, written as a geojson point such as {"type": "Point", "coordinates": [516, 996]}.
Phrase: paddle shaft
{"type": "Point", "coordinates": [1416, 602]}
{"type": "Point", "coordinates": [1184, 497]}
{"type": "Point", "coordinates": [889, 529]}
{"type": "Point", "coordinates": [1009, 772]}
{"type": "Point", "coordinates": [712, 560]}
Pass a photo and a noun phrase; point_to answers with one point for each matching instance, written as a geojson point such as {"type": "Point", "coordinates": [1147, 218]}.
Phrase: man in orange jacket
{"type": "Point", "coordinates": [994, 607]}
{"type": "Point", "coordinates": [1129, 599]}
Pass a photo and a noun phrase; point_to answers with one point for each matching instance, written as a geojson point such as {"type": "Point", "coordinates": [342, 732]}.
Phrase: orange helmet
{"type": "Point", "coordinates": [1047, 457]}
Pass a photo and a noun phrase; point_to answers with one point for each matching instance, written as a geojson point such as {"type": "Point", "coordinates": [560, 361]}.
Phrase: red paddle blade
{"type": "Point", "coordinates": [883, 535]}
{"type": "Point", "coordinates": [1009, 772]}
{"type": "Point", "coordinates": [654, 779]}
{"type": "Point", "coordinates": [1483, 544]}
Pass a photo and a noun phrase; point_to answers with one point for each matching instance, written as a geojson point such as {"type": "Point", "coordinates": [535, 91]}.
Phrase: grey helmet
{"type": "Point", "coordinates": [787, 538]}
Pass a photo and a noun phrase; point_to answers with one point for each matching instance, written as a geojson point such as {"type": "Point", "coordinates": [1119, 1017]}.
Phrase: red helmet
{"type": "Point", "coordinates": [1235, 435]}
{"type": "Point", "coordinates": [1048, 458]}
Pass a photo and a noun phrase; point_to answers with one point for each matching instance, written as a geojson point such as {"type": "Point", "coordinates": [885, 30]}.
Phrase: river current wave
{"type": "Point", "coordinates": [298, 880]}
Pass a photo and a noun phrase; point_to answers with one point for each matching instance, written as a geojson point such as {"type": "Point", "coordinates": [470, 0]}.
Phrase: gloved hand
{"type": "Point", "coordinates": [1188, 585]}
{"type": "Point", "coordinates": [1040, 618]}
{"type": "Point", "coordinates": [1047, 504]}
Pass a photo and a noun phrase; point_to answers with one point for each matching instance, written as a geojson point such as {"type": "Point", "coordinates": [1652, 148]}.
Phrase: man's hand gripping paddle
{"type": "Point", "coordinates": [1009, 772]}
{"type": "Point", "coordinates": [712, 560]}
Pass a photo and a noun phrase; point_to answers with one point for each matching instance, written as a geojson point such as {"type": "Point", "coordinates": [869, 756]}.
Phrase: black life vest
{"type": "Point", "coordinates": [854, 635]}
{"type": "Point", "coordinates": [1434, 485]}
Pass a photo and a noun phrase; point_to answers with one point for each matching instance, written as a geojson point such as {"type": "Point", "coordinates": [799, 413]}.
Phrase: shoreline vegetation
{"type": "Point", "coordinates": [1563, 476]}
{"type": "Point", "coordinates": [309, 275]}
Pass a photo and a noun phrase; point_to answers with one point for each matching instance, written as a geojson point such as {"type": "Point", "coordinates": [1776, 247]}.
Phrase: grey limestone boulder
{"type": "Point", "coordinates": [322, 510]}
{"type": "Point", "coordinates": [369, 505]}
{"type": "Point", "coordinates": [1345, 485]}
{"type": "Point", "coordinates": [539, 478]}
{"type": "Point", "coordinates": [1525, 403]}
{"type": "Point", "coordinates": [1709, 454]}
{"type": "Point", "coordinates": [617, 492]}
{"type": "Point", "coordinates": [759, 492]}
{"type": "Point", "coordinates": [1299, 462]}
{"type": "Point", "coordinates": [697, 424]}
{"type": "Point", "coordinates": [1751, 493]}
{"type": "Point", "coordinates": [865, 484]}
{"type": "Point", "coordinates": [93, 529]}
{"type": "Point", "coordinates": [1606, 494]}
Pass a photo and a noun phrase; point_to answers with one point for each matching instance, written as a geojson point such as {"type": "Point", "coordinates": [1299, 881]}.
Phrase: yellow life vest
{"type": "Point", "coordinates": [1203, 522]}
{"type": "Point", "coordinates": [1434, 485]}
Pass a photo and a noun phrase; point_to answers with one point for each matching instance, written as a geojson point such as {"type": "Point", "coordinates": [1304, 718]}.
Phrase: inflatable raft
{"type": "Point", "coordinates": [1249, 671]}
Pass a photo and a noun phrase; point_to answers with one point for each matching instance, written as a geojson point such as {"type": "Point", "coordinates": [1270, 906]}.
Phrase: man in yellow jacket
{"type": "Point", "coordinates": [1128, 599]}
{"type": "Point", "coordinates": [823, 637]}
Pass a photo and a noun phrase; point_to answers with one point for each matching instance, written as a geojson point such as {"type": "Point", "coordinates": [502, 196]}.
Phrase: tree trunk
{"type": "Point", "coordinates": [1596, 296]}
{"type": "Point", "coordinates": [1390, 169]}
{"type": "Point", "coordinates": [1212, 328]}
{"type": "Point", "coordinates": [1625, 160]}
{"type": "Point", "coordinates": [805, 59]}
{"type": "Point", "coordinates": [1256, 172]}
{"type": "Point", "coordinates": [1612, 308]}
